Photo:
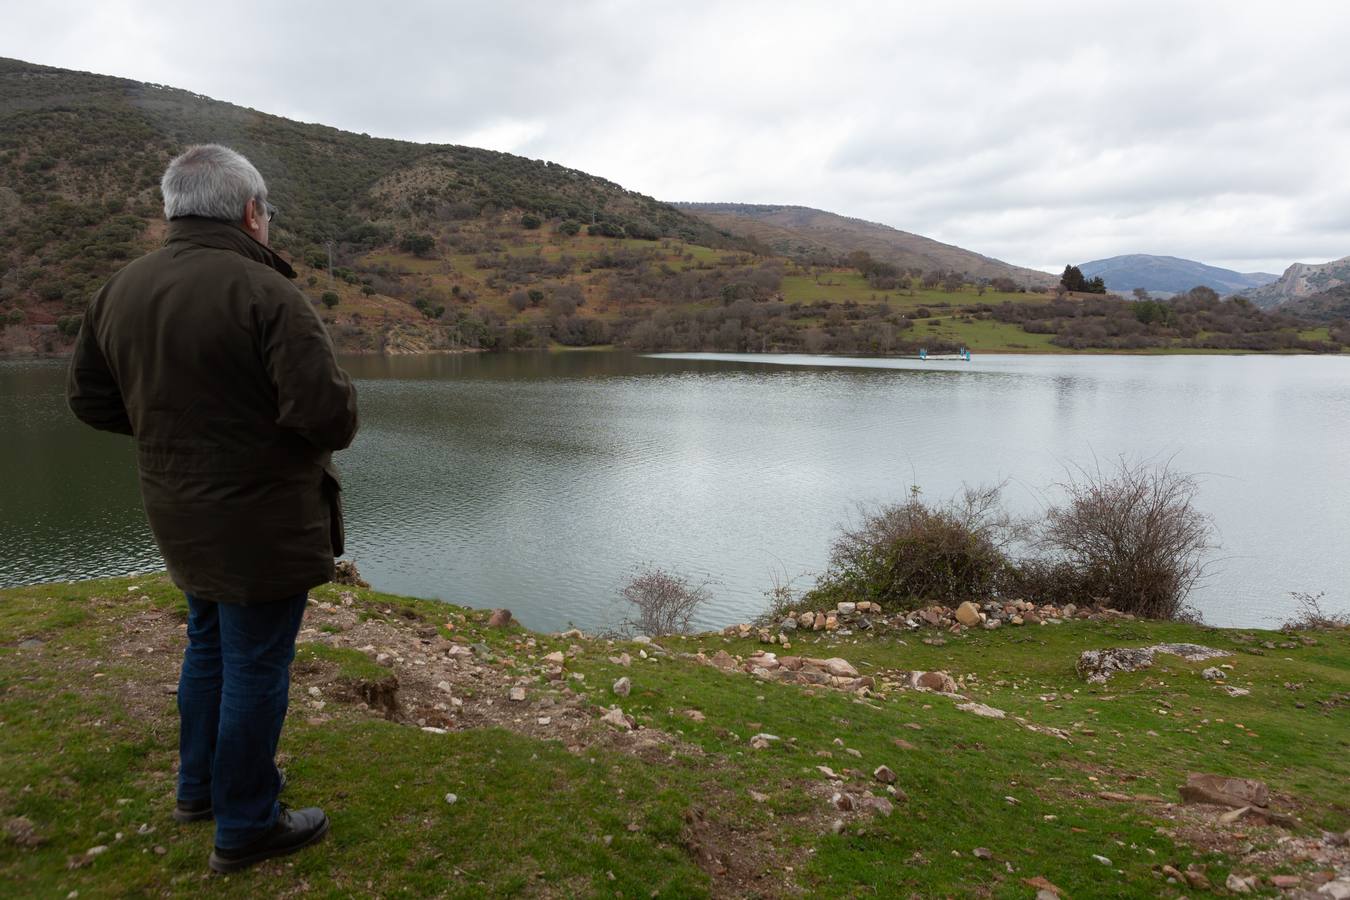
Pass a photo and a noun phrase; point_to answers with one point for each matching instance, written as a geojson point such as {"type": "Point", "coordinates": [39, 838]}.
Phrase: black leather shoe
{"type": "Point", "coordinates": [294, 830]}
{"type": "Point", "coordinates": [200, 810]}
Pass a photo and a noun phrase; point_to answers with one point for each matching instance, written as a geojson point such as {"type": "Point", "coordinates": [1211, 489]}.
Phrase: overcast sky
{"type": "Point", "coordinates": [1038, 133]}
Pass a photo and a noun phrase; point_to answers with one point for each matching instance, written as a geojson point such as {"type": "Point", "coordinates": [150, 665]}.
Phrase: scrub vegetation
{"type": "Point", "coordinates": [411, 248]}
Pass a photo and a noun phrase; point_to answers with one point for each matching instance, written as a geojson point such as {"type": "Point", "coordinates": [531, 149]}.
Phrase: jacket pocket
{"type": "Point", "coordinates": [337, 532]}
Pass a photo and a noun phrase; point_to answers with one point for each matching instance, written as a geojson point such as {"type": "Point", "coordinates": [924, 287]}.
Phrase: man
{"type": "Point", "coordinates": [219, 367]}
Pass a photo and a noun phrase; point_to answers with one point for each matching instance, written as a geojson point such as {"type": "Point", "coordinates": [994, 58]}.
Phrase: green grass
{"type": "Point", "coordinates": [533, 818]}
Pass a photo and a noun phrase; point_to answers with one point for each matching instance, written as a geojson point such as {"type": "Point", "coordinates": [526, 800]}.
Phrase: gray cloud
{"type": "Point", "coordinates": [1040, 133]}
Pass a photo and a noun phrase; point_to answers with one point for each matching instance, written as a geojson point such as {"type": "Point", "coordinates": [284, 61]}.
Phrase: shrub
{"type": "Point", "coordinates": [569, 228]}
{"type": "Point", "coordinates": [910, 554]}
{"type": "Point", "coordinates": [661, 602]}
{"type": "Point", "coordinates": [330, 299]}
{"type": "Point", "coordinates": [530, 221]}
{"type": "Point", "coordinates": [1134, 533]}
{"type": "Point", "coordinates": [1311, 616]}
{"type": "Point", "coordinates": [417, 244]}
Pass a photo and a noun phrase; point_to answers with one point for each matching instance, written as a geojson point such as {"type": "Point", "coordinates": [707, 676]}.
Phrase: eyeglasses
{"type": "Point", "coordinates": [271, 210]}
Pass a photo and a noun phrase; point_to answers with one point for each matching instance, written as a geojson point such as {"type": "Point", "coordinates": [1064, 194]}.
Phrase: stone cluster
{"type": "Point", "coordinates": [866, 615]}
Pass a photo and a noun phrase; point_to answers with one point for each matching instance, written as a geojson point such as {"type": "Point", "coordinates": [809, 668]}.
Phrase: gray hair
{"type": "Point", "coordinates": [211, 181]}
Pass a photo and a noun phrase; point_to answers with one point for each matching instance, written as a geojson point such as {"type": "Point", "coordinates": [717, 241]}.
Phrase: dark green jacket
{"type": "Point", "coordinates": [220, 368]}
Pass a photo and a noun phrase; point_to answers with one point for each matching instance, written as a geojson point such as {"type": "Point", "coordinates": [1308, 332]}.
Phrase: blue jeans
{"type": "Point", "coordinates": [232, 698]}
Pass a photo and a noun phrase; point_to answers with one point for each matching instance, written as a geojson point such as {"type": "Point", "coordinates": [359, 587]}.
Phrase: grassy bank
{"type": "Point", "coordinates": [549, 800]}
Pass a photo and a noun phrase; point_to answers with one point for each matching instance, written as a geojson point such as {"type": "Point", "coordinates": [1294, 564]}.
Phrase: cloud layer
{"type": "Point", "coordinates": [1038, 133]}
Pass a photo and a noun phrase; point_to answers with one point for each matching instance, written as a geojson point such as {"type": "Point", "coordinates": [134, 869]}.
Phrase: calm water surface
{"type": "Point", "coordinates": [538, 481]}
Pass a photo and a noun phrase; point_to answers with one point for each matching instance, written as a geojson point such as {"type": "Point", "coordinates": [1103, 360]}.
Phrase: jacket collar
{"type": "Point", "coordinates": [224, 236]}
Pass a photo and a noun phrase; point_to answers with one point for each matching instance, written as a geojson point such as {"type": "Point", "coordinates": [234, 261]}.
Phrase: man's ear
{"type": "Point", "coordinates": [255, 219]}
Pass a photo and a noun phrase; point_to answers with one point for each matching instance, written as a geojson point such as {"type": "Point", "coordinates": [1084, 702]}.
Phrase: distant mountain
{"type": "Point", "coordinates": [1169, 274]}
{"type": "Point", "coordinates": [800, 231]}
{"type": "Point", "coordinates": [1302, 280]}
{"type": "Point", "coordinates": [1324, 306]}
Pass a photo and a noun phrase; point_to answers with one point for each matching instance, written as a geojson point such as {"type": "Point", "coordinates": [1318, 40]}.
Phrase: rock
{"type": "Point", "coordinates": [724, 660]}
{"type": "Point", "coordinates": [1098, 665]}
{"type": "Point", "coordinates": [1045, 890]}
{"type": "Point", "coordinates": [819, 623]}
{"type": "Point", "coordinates": [840, 668]}
{"type": "Point", "coordinates": [788, 624]}
{"type": "Point", "coordinates": [758, 797]}
{"type": "Point", "coordinates": [842, 802]}
{"type": "Point", "coordinates": [615, 716]}
{"type": "Point", "coordinates": [982, 853]}
{"type": "Point", "coordinates": [21, 831]}
{"type": "Point", "coordinates": [1221, 791]}
{"type": "Point", "coordinates": [845, 608]}
{"type": "Point", "coordinates": [555, 658]}
{"type": "Point", "coordinates": [1212, 674]}
{"type": "Point", "coordinates": [1336, 890]}
{"type": "Point", "coordinates": [968, 614]}
{"type": "Point", "coordinates": [936, 681]}
{"type": "Point", "coordinates": [1173, 873]}
{"type": "Point", "coordinates": [831, 622]}
{"type": "Point", "coordinates": [623, 659]}
{"type": "Point", "coordinates": [452, 799]}
{"type": "Point", "coordinates": [500, 618]}
{"type": "Point", "coordinates": [344, 572]}
{"type": "Point", "coordinates": [1101, 859]}
{"type": "Point", "coordinates": [829, 773]}
{"type": "Point", "coordinates": [1240, 885]}
{"type": "Point", "coordinates": [879, 805]}
{"type": "Point", "coordinates": [884, 775]}
{"type": "Point", "coordinates": [695, 715]}
{"type": "Point", "coordinates": [1235, 691]}
{"type": "Point", "coordinates": [517, 695]}
{"type": "Point", "coordinates": [623, 686]}
{"type": "Point", "coordinates": [1197, 879]}
{"type": "Point", "coordinates": [903, 744]}
{"type": "Point", "coordinates": [992, 624]}
{"type": "Point", "coordinates": [762, 741]}
{"type": "Point", "coordinates": [1286, 882]}
{"type": "Point", "coordinates": [980, 709]}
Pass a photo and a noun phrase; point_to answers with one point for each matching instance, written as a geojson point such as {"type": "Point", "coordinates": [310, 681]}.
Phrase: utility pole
{"type": "Point", "coordinates": [329, 246]}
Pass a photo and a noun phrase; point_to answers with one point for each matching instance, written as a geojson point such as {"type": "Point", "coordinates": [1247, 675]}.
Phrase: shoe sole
{"type": "Point", "coordinates": [223, 866]}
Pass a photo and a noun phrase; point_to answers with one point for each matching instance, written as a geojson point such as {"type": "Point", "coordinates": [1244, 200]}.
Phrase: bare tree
{"type": "Point", "coordinates": [1134, 532]}
{"type": "Point", "coordinates": [661, 602]}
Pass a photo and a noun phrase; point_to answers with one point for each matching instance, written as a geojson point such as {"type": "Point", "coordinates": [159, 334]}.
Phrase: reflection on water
{"type": "Point", "coordinates": [538, 481]}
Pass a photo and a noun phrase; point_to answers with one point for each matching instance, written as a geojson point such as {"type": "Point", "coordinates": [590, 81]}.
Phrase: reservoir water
{"type": "Point", "coordinates": [539, 481]}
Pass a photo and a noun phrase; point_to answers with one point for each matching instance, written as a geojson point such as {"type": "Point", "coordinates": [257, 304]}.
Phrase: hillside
{"type": "Point", "coordinates": [1330, 305]}
{"type": "Point", "coordinates": [802, 232]}
{"type": "Point", "coordinates": [459, 759]}
{"type": "Point", "coordinates": [1169, 274]}
{"type": "Point", "coordinates": [1301, 280]}
{"type": "Point", "coordinates": [445, 248]}
{"type": "Point", "coordinates": [81, 156]}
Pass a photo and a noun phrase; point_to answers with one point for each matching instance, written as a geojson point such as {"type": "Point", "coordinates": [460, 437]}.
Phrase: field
{"type": "Point", "coordinates": [551, 801]}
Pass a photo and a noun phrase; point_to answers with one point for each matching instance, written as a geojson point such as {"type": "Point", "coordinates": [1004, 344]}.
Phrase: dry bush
{"type": "Point", "coordinates": [1311, 616]}
{"type": "Point", "coordinates": [912, 553]}
{"type": "Point", "coordinates": [660, 602]}
{"type": "Point", "coordinates": [1133, 533]}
